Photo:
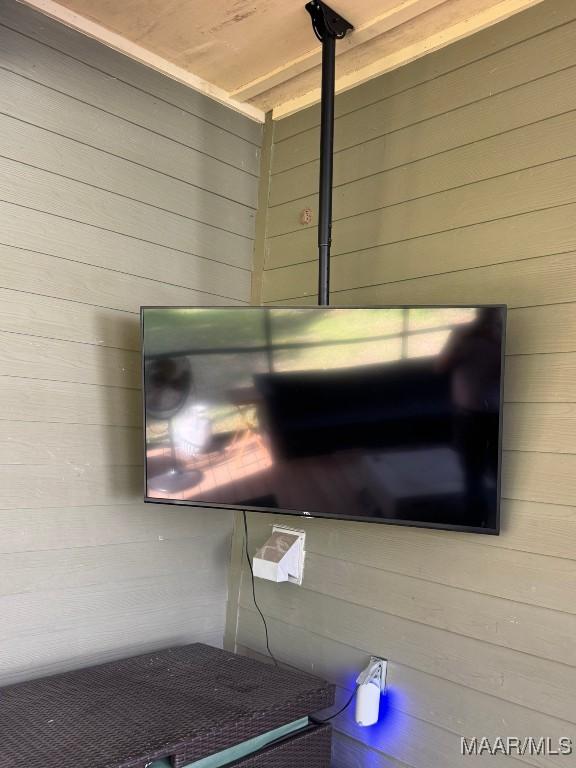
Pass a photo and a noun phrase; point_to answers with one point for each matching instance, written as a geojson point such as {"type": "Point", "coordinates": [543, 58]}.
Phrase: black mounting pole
{"type": "Point", "coordinates": [326, 168]}
{"type": "Point", "coordinates": [328, 27]}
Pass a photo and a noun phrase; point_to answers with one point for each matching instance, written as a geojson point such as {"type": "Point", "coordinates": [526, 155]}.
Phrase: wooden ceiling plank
{"type": "Point", "coordinates": [259, 55]}
{"type": "Point", "coordinates": [143, 55]}
{"type": "Point", "coordinates": [227, 42]}
{"type": "Point", "coordinates": [468, 25]}
{"type": "Point", "coordinates": [392, 17]}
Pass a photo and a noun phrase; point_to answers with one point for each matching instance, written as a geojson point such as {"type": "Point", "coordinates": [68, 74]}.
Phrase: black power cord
{"type": "Point", "coordinates": [279, 664]}
{"type": "Point", "coordinates": [274, 659]}
{"type": "Point", "coordinates": [321, 721]}
{"type": "Point", "coordinates": [316, 720]}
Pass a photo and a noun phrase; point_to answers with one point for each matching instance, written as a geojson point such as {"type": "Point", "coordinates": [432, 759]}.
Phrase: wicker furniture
{"type": "Point", "coordinates": [182, 703]}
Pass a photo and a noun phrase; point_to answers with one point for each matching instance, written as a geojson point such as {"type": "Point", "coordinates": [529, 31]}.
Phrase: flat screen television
{"type": "Point", "coordinates": [380, 414]}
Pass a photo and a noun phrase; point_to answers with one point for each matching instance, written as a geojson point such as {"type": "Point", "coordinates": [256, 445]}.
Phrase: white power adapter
{"type": "Point", "coordinates": [371, 683]}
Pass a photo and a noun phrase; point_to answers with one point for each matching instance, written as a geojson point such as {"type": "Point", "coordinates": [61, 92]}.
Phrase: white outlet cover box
{"type": "Point", "coordinates": [281, 558]}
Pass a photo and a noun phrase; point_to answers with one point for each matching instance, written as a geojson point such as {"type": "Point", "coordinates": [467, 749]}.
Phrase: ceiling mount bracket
{"type": "Point", "coordinates": [326, 22]}
{"type": "Point", "coordinates": [328, 27]}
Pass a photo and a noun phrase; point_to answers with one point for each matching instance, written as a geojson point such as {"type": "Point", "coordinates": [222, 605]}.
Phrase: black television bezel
{"type": "Point", "coordinates": [322, 515]}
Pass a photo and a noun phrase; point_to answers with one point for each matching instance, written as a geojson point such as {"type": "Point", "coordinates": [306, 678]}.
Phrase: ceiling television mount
{"type": "Point", "coordinates": [328, 27]}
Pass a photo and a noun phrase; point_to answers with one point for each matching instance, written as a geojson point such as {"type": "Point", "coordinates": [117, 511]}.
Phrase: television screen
{"type": "Point", "coordinates": [382, 414]}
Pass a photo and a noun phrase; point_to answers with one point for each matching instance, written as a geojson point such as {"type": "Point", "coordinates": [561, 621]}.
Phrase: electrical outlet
{"type": "Point", "coordinates": [281, 558]}
{"type": "Point", "coordinates": [295, 578]}
{"type": "Point", "coordinates": [306, 216]}
{"type": "Point", "coordinates": [384, 667]}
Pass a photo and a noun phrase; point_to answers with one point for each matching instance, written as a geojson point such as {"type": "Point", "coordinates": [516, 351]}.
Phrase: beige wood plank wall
{"type": "Point", "coordinates": [455, 182]}
{"type": "Point", "coordinates": [118, 187]}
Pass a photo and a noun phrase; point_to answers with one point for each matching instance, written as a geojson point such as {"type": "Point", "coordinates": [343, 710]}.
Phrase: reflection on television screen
{"type": "Point", "coordinates": [383, 414]}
